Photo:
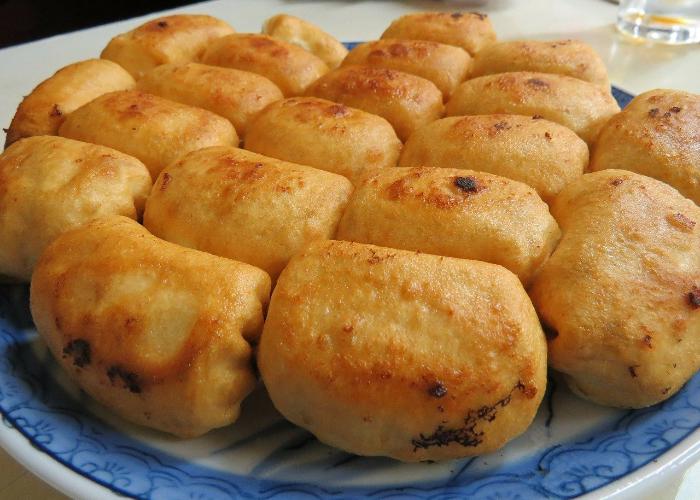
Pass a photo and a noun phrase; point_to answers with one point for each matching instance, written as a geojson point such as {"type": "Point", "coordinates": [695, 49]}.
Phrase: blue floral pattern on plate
{"type": "Point", "coordinates": [53, 418]}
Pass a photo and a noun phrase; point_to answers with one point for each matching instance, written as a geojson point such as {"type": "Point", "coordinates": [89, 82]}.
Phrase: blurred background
{"type": "Point", "coordinates": [26, 20]}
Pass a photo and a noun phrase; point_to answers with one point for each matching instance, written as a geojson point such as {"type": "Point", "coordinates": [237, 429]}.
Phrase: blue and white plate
{"type": "Point", "coordinates": [572, 448]}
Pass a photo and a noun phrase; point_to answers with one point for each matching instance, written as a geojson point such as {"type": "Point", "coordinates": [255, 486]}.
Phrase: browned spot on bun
{"type": "Point", "coordinates": [79, 350]}
{"type": "Point", "coordinates": [468, 435]}
{"type": "Point", "coordinates": [529, 391]}
{"type": "Point", "coordinates": [467, 184]}
{"type": "Point", "coordinates": [437, 390]}
{"type": "Point", "coordinates": [338, 110]}
{"type": "Point", "coordinates": [680, 221]}
{"type": "Point", "coordinates": [501, 126]}
{"type": "Point", "coordinates": [694, 297]}
{"type": "Point", "coordinates": [262, 42]}
{"type": "Point", "coordinates": [398, 50]}
{"type": "Point", "coordinates": [166, 180]}
{"type": "Point", "coordinates": [537, 83]}
{"type": "Point", "coordinates": [128, 379]}
{"type": "Point", "coordinates": [375, 258]}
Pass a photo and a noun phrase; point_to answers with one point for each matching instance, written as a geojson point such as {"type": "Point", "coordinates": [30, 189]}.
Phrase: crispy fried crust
{"type": "Point", "coordinates": [538, 152]}
{"type": "Point", "coordinates": [325, 135]}
{"type": "Point", "coordinates": [157, 131]}
{"type": "Point", "coordinates": [171, 39]}
{"type": "Point", "coordinates": [404, 100]}
{"type": "Point", "coordinates": [308, 36]}
{"type": "Point", "coordinates": [49, 185]}
{"type": "Point", "coordinates": [621, 293]}
{"type": "Point", "coordinates": [563, 57]}
{"type": "Point", "coordinates": [158, 333]}
{"type": "Point", "coordinates": [471, 31]}
{"type": "Point", "coordinates": [245, 206]}
{"type": "Point", "coordinates": [236, 95]}
{"type": "Point", "coordinates": [444, 65]}
{"type": "Point", "coordinates": [456, 213]}
{"type": "Point", "coordinates": [43, 111]}
{"type": "Point", "coordinates": [657, 135]}
{"type": "Point", "coordinates": [289, 66]}
{"type": "Point", "coordinates": [581, 106]}
{"type": "Point", "coordinates": [417, 357]}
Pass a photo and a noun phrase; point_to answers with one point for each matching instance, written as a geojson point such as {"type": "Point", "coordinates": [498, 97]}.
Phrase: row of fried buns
{"type": "Point", "coordinates": [405, 318]}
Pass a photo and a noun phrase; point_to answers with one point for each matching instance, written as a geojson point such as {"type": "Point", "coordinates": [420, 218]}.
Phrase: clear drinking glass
{"type": "Point", "coordinates": [666, 21]}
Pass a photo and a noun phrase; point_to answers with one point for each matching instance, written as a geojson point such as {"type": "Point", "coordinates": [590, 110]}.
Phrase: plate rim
{"type": "Point", "coordinates": [50, 468]}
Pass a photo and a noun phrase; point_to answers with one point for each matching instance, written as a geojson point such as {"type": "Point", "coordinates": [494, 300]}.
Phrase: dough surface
{"type": "Point", "coordinates": [176, 39]}
{"type": "Point", "coordinates": [471, 31]}
{"type": "Point", "coordinates": [404, 100]}
{"type": "Point", "coordinates": [43, 111]}
{"type": "Point", "coordinates": [50, 184]}
{"type": "Point", "coordinates": [386, 352]}
{"type": "Point", "coordinates": [455, 213]}
{"type": "Point", "coordinates": [658, 135]}
{"type": "Point", "coordinates": [542, 154]}
{"type": "Point", "coordinates": [581, 106]}
{"type": "Point", "coordinates": [245, 206]}
{"type": "Point", "coordinates": [159, 334]}
{"type": "Point", "coordinates": [325, 135]}
{"type": "Point", "coordinates": [620, 295]}
{"type": "Point", "coordinates": [563, 57]}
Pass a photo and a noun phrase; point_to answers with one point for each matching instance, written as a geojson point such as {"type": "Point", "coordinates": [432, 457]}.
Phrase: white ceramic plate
{"type": "Point", "coordinates": [572, 448]}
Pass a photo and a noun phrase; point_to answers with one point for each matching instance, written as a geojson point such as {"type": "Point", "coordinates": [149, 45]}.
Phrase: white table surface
{"type": "Point", "coordinates": [634, 66]}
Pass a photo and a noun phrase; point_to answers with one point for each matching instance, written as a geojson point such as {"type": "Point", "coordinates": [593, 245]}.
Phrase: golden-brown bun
{"type": "Point", "coordinates": [49, 185]}
{"type": "Point", "coordinates": [157, 333]}
{"type": "Point", "coordinates": [45, 108]}
{"type": "Point", "coordinates": [540, 153]}
{"type": "Point", "coordinates": [455, 213]}
{"type": "Point", "coordinates": [386, 352]}
{"type": "Point", "coordinates": [564, 57]}
{"type": "Point", "coordinates": [444, 65]}
{"type": "Point", "coordinates": [236, 95]}
{"type": "Point", "coordinates": [470, 30]}
{"type": "Point", "coordinates": [171, 39]}
{"type": "Point", "coordinates": [289, 66]}
{"type": "Point", "coordinates": [406, 101]}
{"type": "Point", "coordinates": [621, 293]}
{"type": "Point", "coordinates": [308, 36]}
{"type": "Point", "coordinates": [657, 134]}
{"type": "Point", "coordinates": [245, 206]}
{"type": "Point", "coordinates": [581, 106]}
{"type": "Point", "coordinates": [157, 131]}
{"type": "Point", "coordinates": [325, 135]}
